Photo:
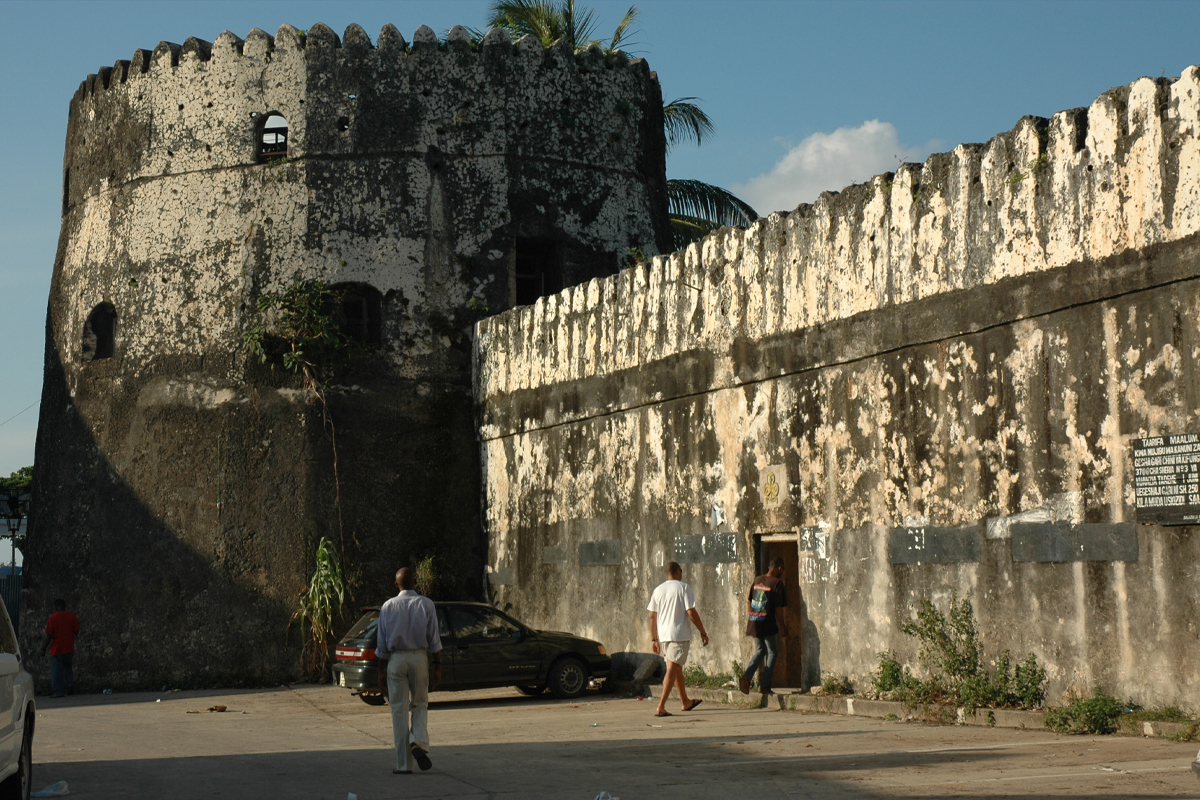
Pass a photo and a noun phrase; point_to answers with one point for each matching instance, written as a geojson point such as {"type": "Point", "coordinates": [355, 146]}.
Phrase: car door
{"type": "Point", "coordinates": [10, 665]}
{"type": "Point", "coordinates": [489, 648]}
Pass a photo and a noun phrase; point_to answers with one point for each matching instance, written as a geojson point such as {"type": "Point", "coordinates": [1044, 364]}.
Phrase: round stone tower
{"type": "Point", "coordinates": [181, 486]}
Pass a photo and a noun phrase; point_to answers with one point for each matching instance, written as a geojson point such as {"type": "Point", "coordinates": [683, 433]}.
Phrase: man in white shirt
{"type": "Point", "coordinates": [672, 613]}
{"type": "Point", "coordinates": [407, 635]}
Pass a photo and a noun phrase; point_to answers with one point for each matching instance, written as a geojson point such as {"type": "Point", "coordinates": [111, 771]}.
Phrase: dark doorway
{"type": "Point", "coordinates": [538, 271]}
{"type": "Point", "coordinates": [789, 669]}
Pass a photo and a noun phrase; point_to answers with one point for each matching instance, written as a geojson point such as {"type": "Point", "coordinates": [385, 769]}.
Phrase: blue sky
{"type": "Point", "coordinates": [806, 96]}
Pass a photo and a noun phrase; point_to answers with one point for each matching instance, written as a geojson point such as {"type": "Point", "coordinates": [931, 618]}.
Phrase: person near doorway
{"type": "Point", "coordinates": [407, 638]}
{"type": "Point", "coordinates": [61, 630]}
{"type": "Point", "coordinates": [766, 595]}
{"type": "Point", "coordinates": [672, 613]}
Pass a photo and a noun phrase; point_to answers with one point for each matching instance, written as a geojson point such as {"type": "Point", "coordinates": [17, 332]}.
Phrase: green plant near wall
{"type": "Point", "coordinates": [951, 654]}
{"type": "Point", "coordinates": [322, 606]}
{"type": "Point", "coordinates": [433, 579]}
{"type": "Point", "coordinates": [1096, 714]}
{"type": "Point", "coordinates": [949, 643]}
{"type": "Point", "coordinates": [835, 684]}
{"type": "Point", "coordinates": [301, 330]}
{"type": "Point", "coordinates": [694, 675]}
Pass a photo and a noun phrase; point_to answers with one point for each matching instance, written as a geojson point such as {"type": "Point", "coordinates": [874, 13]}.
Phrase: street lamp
{"type": "Point", "coordinates": [13, 517]}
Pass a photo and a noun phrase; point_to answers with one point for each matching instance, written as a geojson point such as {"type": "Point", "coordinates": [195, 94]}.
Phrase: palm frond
{"type": "Point", "coordinates": [527, 17]}
{"type": "Point", "coordinates": [476, 34]}
{"type": "Point", "coordinates": [685, 230]}
{"type": "Point", "coordinates": [689, 198]}
{"type": "Point", "coordinates": [684, 120]}
{"type": "Point", "coordinates": [547, 20]}
{"type": "Point", "coordinates": [578, 28]}
{"type": "Point", "coordinates": [623, 29]}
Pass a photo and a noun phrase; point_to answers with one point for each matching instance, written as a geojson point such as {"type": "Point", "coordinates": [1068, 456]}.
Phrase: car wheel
{"type": "Point", "coordinates": [568, 678]}
{"type": "Point", "coordinates": [532, 691]}
{"type": "Point", "coordinates": [373, 699]}
{"type": "Point", "coordinates": [20, 784]}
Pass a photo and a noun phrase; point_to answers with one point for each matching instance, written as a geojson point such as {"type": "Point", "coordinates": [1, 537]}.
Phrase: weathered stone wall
{"type": "Point", "coordinates": [942, 368]}
{"type": "Point", "coordinates": [182, 487]}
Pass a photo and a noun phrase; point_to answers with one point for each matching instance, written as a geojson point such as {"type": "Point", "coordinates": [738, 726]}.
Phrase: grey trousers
{"type": "Point", "coordinates": [408, 693]}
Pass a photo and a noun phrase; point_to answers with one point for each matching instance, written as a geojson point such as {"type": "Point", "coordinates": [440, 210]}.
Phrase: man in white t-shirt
{"type": "Point", "coordinates": [672, 613]}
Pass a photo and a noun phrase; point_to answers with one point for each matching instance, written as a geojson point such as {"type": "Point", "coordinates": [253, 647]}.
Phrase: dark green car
{"type": "Point", "coordinates": [481, 647]}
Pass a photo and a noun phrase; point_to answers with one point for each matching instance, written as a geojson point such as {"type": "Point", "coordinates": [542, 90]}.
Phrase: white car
{"type": "Point", "coordinates": [1196, 765]}
{"type": "Point", "coordinates": [16, 717]}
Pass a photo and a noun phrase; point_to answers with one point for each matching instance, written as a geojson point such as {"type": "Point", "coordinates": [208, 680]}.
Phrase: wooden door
{"type": "Point", "coordinates": [788, 668]}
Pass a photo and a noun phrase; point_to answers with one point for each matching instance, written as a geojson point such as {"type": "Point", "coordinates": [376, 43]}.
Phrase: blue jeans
{"type": "Point", "coordinates": [61, 674]}
{"type": "Point", "coordinates": [765, 652]}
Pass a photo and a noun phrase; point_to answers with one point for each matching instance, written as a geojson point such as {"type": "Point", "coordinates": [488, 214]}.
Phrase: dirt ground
{"type": "Point", "coordinates": [319, 742]}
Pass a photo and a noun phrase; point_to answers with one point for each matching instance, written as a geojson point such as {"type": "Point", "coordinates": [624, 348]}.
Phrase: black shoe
{"type": "Point", "coordinates": [422, 758]}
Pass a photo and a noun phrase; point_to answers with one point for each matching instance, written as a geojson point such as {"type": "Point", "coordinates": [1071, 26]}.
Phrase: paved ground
{"type": "Point", "coordinates": [319, 742]}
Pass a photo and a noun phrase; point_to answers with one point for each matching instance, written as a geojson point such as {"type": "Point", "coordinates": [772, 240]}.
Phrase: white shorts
{"type": "Point", "coordinates": [676, 651]}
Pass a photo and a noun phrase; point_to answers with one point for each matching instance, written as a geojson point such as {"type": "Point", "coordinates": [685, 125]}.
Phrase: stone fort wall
{"type": "Point", "coordinates": [941, 370]}
{"type": "Point", "coordinates": [182, 487]}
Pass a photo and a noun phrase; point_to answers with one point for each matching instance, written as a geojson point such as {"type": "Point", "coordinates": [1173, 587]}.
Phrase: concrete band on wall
{"type": "Point", "coordinates": [961, 351]}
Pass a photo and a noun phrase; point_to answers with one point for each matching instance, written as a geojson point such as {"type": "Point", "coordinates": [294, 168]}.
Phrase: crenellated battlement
{"type": "Point", "coordinates": [199, 105]}
{"type": "Point", "coordinates": [321, 38]}
{"type": "Point", "coordinates": [1083, 186]}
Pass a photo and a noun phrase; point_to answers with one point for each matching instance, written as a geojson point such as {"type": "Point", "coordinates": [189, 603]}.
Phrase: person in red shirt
{"type": "Point", "coordinates": [60, 641]}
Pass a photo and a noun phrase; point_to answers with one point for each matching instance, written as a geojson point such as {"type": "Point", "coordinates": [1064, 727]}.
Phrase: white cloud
{"type": "Point", "coordinates": [828, 162]}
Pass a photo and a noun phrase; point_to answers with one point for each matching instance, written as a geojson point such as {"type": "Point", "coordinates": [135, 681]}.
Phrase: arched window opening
{"type": "Point", "coordinates": [100, 333]}
{"type": "Point", "coordinates": [361, 312]}
{"type": "Point", "coordinates": [273, 141]}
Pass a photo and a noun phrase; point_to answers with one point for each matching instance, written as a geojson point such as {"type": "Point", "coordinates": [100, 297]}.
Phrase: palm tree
{"type": "Point", "coordinates": [695, 207]}
{"type": "Point", "coordinates": [551, 20]}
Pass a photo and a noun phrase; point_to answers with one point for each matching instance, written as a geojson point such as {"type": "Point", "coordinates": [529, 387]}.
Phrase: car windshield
{"type": "Point", "coordinates": [365, 627]}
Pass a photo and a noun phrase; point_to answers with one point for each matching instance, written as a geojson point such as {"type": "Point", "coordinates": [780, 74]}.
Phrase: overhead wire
{"type": "Point", "coordinates": [19, 413]}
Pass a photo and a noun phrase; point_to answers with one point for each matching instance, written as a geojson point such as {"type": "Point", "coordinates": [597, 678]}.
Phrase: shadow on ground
{"type": "Point", "coordinates": [669, 769]}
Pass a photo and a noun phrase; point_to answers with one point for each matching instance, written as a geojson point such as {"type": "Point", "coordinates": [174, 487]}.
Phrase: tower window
{"type": "Point", "coordinates": [538, 270]}
{"type": "Point", "coordinates": [273, 141]}
{"type": "Point", "coordinates": [100, 333]}
{"type": "Point", "coordinates": [361, 312]}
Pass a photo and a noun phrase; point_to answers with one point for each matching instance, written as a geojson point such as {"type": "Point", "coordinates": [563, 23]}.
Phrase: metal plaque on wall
{"type": "Point", "coordinates": [712, 548]}
{"type": "Point", "coordinates": [1166, 479]}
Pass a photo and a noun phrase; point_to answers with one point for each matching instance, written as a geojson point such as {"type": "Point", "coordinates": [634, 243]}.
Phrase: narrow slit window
{"type": "Point", "coordinates": [538, 269]}
{"type": "Point", "coordinates": [100, 333]}
{"type": "Point", "coordinates": [273, 141]}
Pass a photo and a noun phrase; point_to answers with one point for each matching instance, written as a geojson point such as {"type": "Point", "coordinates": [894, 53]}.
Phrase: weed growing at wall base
{"type": "Point", "coordinates": [952, 656]}
{"type": "Point", "coordinates": [834, 684]}
{"type": "Point", "coordinates": [322, 605]}
{"type": "Point", "coordinates": [1130, 722]}
{"type": "Point", "coordinates": [694, 675]}
{"type": "Point", "coordinates": [1096, 714]}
